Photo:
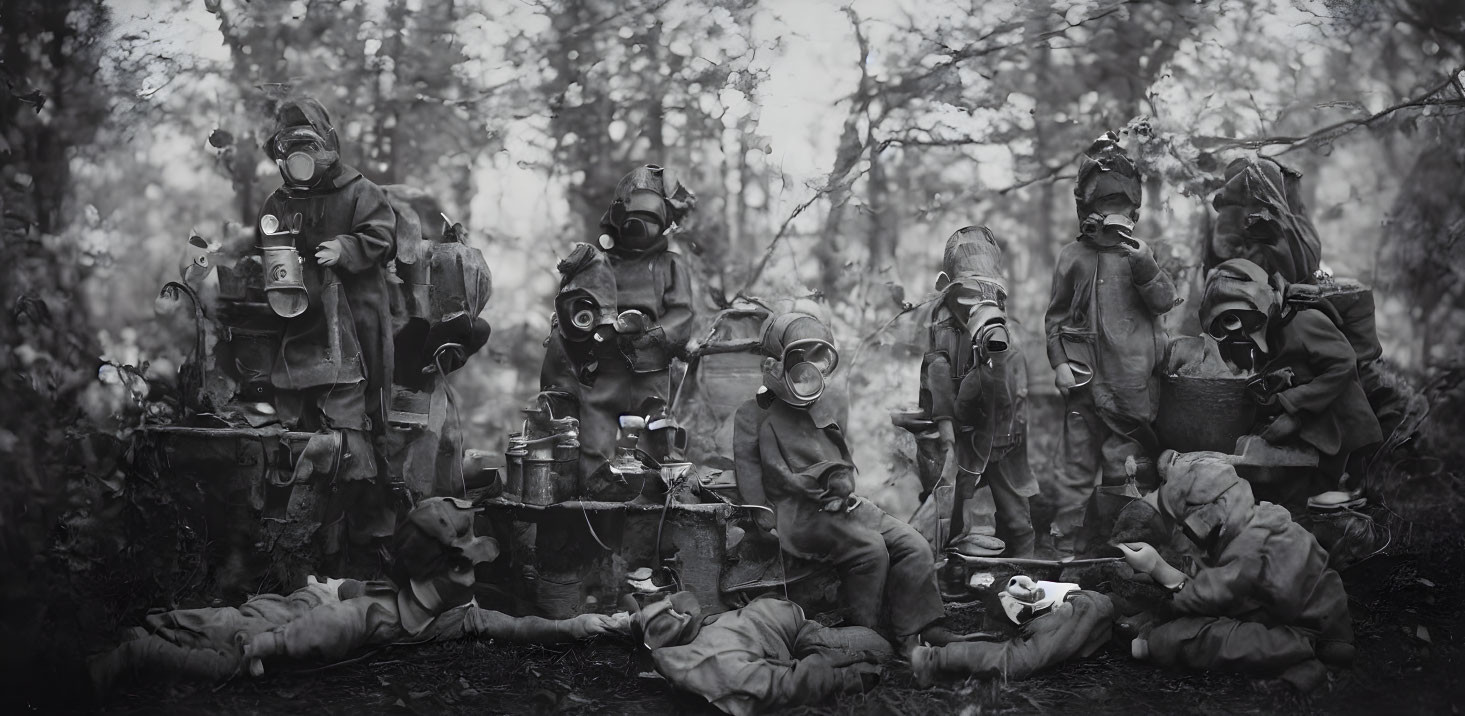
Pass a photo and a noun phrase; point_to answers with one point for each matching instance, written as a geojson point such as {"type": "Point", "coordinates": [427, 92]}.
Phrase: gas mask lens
{"type": "Point", "coordinates": [806, 364]}
{"type": "Point", "coordinates": [299, 167]}
{"type": "Point", "coordinates": [1237, 324]}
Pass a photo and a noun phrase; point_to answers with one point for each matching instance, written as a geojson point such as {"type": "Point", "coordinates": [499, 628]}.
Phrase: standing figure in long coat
{"type": "Point", "coordinates": [1104, 341]}
{"type": "Point", "coordinates": [623, 312]}
{"type": "Point", "coordinates": [327, 235]}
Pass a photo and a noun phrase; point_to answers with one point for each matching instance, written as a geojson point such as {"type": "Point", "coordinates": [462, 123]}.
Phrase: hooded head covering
{"type": "Point", "coordinates": [1261, 217]}
{"type": "Point", "coordinates": [795, 381]}
{"type": "Point", "coordinates": [639, 192]}
{"type": "Point", "coordinates": [1242, 286]}
{"type": "Point", "coordinates": [304, 144]}
{"type": "Point", "coordinates": [1106, 170]}
{"type": "Point", "coordinates": [1203, 495]}
{"type": "Point", "coordinates": [973, 280]}
{"type": "Point", "coordinates": [433, 552]}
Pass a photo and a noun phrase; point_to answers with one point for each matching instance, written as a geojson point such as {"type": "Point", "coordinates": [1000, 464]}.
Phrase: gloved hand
{"type": "Point", "coordinates": [1141, 556]}
{"type": "Point", "coordinates": [1064, 379]}
{"type": "Point", "coordinates": [588, 625]}
{"type": "Point", "coordinates": [329, 252]}
{"type": "Point", "coordinates": [1144, 558]}
{"type": "Point", "coordinates": [1142, 265]}
{"type": "Point", "coordinates": [1281, 429]}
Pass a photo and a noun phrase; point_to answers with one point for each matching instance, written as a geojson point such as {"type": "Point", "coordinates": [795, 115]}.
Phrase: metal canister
{"type": "Point", "coordinates": [539, 478]}
{"type": "Point", "coordinates": [514, 470]}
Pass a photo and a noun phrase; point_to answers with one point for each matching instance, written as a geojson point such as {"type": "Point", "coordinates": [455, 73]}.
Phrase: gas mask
{"type": "Point", "coordinates": [1024, 599]}
{"type": "Point", "coordinates": [1241, 335]}
{"type": "Point", "coordinates": [798, 377]}
{"type": "Point", "coordinates": [580, 315]}
{"type": "Point", "coordinates": [449, 587]}
{"type": "Point", "coordinates": [641, 219]}
{"type": "Point", "coordinates": [302, 155]}
{"type": "Point", "coordinates": [981, 305]}
{"type": "Point", "coordinates": [1109, 229]}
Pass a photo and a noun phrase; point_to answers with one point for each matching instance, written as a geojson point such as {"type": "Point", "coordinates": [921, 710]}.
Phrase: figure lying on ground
{"type": "Point", "coordinates": [1055, 622]}
{"type": "Point", "coordinates": [791, 452]}
{"type": "Point", "coordinates": [429, 597]}
{"type": "Point", "coordinates": [764, 656]}
{"type": "Point", "coordinates": [1263, 600]}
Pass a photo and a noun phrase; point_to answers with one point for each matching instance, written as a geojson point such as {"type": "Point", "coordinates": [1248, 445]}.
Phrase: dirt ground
{"type": "Point", "coordinates": [1407, 615]}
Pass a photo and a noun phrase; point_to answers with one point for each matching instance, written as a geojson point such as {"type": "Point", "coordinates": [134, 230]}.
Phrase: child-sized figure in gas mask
{"type": "Point", "coordinates": [623, 312]}
{"type": "Point", "coordinates": [765, 656]}
{"type": "Point", "coordinates": [974, 386]}
{"type": "Point", "coordinates": [1104, 342]}
{"type": "Point", "coordinates": [429, 597]}
{"type": "Point", "coordinates": [791, 452]}
{"type": "Point", "coordinates": [1307, 381]}
{"type": "Point", "coordinates": [1056, 622]}
{"type": "Point", "coordinates": [1262, 602]}
{"type": "Point", "coordinates": [327, 235]}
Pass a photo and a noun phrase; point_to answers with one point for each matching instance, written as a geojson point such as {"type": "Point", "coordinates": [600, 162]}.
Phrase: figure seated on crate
{"type": "Point", "coordinates": [1306, 383]}
{"type": "Point", "coordinates": [429, 597]}
{"type": "Point", "coordinates": [791, 454]}
{"type": "Point", "coordinates": [765, 656]}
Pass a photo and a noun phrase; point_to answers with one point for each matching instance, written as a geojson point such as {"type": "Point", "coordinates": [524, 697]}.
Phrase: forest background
{"type": "Point", "coordinates": [833, 147]}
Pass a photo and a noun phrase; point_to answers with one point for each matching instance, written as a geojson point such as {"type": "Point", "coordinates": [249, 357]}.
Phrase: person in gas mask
{"type": "Point", "coordinates": [1263, 600]}
{"type": "Point", "coordinates": [623, 312]}
{"type": "Point", "coordinates": [429, 597]}
{"type": "Point", "coordinates": [327, 235]}
{"type": "Point", "coordinates": [1307, 384]}
{"type": "Point", "coordinates": [761, 657]}
{"type": "Point", "coordinates": [974, 386]}
{"type": "Point", "coordinates": [1048, 623]}
{"type": "Point", "coordinates": [1104, 341]}
{"type": "Point", "coordinates": [790, 452]}
{"type": "Point", "coordinates": [1260, 217]}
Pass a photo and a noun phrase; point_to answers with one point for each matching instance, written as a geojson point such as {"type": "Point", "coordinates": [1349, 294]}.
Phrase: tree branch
{"type": "Point", "coordinates": [1338, 129]}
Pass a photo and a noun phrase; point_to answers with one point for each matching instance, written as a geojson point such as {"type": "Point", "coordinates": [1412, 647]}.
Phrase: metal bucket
{"type": "Point", "coordinates": [1203, 413]}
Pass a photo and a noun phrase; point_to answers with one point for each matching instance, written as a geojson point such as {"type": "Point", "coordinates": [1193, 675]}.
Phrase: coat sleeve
{"type": "Point", "coordinates": [777, 470]}
{"type": "Point", "coordinates": [936, 383]}
{"type": "Point", "coordinates": [747, 461]}
{"type": "Point", "coordinates": [373, 225]}
{"type": "Point", "coordinates": [1215, 590]}
{"type": "Point", "coordinates": [1153, 283]}
{"type": "Point", "coordinates": [487, 623]}
{"type": "Point", "coordinates": [1331, 358]}
{"type": "Point", "coordinates": [330, 632]}
{"type": "Point", "coordinates": [678, 316]}
{"type": "Point", "coordinates": [1060, 305]}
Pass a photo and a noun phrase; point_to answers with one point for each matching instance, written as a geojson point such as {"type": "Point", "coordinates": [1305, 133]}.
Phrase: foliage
{"type": "Point", "coordinates": [833, 147]}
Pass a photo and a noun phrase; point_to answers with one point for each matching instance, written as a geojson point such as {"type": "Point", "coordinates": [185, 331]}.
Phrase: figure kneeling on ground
{"type": "Point", "coordinates": [1262, 601]}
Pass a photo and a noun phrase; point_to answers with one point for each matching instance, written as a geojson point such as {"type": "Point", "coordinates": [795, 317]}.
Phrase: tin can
{"type": "Point", "coordinates": [514, 468]}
